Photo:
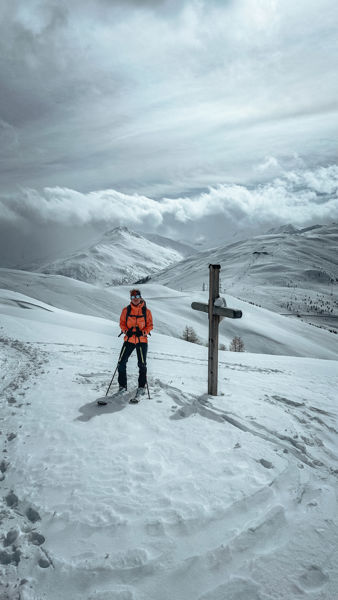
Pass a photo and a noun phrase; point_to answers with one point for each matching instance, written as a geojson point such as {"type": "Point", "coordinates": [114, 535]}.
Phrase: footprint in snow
{"type": "Point", "coordinates": [36, 538]}
{"type": "Point", "coordinates": [265, 463]}
{"type": "Point", "coordinates": [12, 500]}
{"type": "Point", "coordinates": [10, 558]}
{"type": "Point", "coordinates": [313, 578]}
{"type": "Point", "coordinates": [11, 537]}
{"type": "Point", "coordinates": [32, 515]}
{"type": "Point", "coordinates": [44, 563]}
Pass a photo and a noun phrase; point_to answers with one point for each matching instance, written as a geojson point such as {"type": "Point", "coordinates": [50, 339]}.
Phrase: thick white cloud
{"type": "Point", "coordinates": [44, 224]}
{"type": "Point", "coordinates": [299, 196]}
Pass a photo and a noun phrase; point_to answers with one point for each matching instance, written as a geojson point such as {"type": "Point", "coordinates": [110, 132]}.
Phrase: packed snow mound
{"type": "Point", "coordinates": [120, 257]}
{"type": "Point", "coordinates": [184, 496]}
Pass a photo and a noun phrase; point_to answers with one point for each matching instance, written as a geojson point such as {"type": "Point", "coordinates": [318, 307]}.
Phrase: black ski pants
{"type": "Point", "coordinates": [126, 351]}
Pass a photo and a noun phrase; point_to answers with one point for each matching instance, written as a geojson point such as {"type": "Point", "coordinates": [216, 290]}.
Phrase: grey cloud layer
{"type": "Point", "coordinates": [139, 96]}
{"type": "Point", "coordinates": [45, 224]}
{"type": "Point", "coordinates": [300, 196]}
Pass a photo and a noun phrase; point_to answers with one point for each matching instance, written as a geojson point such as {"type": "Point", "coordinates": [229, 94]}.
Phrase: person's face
{"type": "Point", "coordinates": [135, 299]}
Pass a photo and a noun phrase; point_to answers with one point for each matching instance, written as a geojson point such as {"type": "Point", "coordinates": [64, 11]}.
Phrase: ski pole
{"type": "Point", "coordinates": [139, 342]}
{"type": "Point", "coordinates": [118, 362]}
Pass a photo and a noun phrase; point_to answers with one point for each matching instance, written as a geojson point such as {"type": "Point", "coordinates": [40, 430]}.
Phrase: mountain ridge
{"type": "Point", "coordinates": [120, 256]}
{"type": "Point", "coordinates": [285, 272]}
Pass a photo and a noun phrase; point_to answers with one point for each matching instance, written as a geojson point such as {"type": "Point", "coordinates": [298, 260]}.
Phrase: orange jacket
{"type": "Point", "coordinates": [136, 319]}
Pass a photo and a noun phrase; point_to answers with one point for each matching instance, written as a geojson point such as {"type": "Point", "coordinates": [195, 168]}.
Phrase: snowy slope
{"type": "Point", "coordinates": [121, 256]}
{"type": "Point", "coordinates": [261, 330]}
{"type": "Point", "coordinates": [306, 259]}
{"type": "Point", "coordinates": [182, 248]}
{"type": "Point", "coordinates": [287, 272]}
{"type": "Point", "coordinates": [182, 497]}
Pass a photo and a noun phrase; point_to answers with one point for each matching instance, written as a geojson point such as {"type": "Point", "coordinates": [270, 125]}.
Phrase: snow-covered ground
{"type": "Point", "coordinates": [184, 496]}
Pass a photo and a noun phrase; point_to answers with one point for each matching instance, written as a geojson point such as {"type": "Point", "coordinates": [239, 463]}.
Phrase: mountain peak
{"type": "Point", "coordinates": [117, 230]}
{"type": "Point", "coordinates": [287, 228]}
{"type": "Point", "coordinates": [120, 257]}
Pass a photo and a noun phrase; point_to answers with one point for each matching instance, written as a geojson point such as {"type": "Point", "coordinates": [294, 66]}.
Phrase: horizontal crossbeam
{"type": "Point", "coordinates": [221, 311]}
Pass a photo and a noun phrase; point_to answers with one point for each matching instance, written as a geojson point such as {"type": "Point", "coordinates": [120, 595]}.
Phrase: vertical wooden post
{"type": "Point", "coordinates": [213, 330]}
{"type": "Point", "coordinates": [216, 313]}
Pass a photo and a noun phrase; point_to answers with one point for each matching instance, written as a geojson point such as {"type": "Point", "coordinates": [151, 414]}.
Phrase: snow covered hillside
{"type": "Point", "coordinates": [261, 330]}
{"type": "Point", "coordinates": [121, 256]}
{"type": "Point", "coordinates": [183, 496]}
{"type": "Point", "coordinates": [295, 273]}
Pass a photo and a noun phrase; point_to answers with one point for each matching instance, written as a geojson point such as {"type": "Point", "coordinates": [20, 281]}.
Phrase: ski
{"type": "Point", "coordinates": [107, 399]}
{"type": "Point", "coordinates": [134, 400]}
{"type": "Point", "coordinates": [139, 393]}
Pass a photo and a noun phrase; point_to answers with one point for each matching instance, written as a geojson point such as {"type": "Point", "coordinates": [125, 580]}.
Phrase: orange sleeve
{"type": "Point", "coordinates": [123, 322]}
{"type": "Point", "coordinates": [150, 325]}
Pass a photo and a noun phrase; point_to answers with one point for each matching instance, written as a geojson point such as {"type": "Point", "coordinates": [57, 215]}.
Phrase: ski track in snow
{"type": "Point", "coordinates": [21, 366]}
{"type": "Point", "coordinates": [133, 517]}
{"type": "Point", "coordinates": [298, 445]}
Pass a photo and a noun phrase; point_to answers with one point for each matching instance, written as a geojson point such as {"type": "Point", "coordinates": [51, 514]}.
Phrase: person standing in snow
{"type": "Point", "coordinates": [136, 322]}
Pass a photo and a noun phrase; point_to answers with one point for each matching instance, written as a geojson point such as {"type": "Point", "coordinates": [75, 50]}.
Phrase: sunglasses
{"type": "Point", "coordinates": [137, 296]}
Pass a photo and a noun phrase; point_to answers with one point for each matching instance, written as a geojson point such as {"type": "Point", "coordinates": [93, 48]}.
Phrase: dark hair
{"type": "Point", "coordinates": [133, 292]}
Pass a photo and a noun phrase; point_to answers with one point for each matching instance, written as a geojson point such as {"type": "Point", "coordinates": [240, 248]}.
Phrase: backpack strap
{"type": "Point", "coordinates": [144, 313]}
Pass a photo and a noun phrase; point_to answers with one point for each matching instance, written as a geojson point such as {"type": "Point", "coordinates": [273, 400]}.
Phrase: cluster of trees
{"type": "Point", "coordinates": [319, 305]}
{"type": "Point", "coordinates": [190, 335]}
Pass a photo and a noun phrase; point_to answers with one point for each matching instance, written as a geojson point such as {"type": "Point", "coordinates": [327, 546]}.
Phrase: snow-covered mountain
{"type": "Point", "coordinates": [295, 273]}
{"type": "Point", "coordinates": [182, 248]}
{"type": "Point", "coordinates": [121, 256]}
{"type": "Point", "coordinates": [184, 496]}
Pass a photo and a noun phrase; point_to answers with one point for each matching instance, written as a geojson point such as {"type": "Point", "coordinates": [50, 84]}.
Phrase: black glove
{"type": "Point", "coordinates": [129, 333]}
{"type": "Point", "coordinates": [138, 332]}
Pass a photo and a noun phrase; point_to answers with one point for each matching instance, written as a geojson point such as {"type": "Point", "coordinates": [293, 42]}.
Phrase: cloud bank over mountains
{"type": "Point", "coordinates": [310, 195]}
{"type": "Point", "coordinates": [303, 197]}
{"type": "Point", "coordinates": [196, 119]}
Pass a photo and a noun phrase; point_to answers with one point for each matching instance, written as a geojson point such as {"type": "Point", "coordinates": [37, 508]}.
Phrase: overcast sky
{"type": "Point", "coordinates": [199, 118]}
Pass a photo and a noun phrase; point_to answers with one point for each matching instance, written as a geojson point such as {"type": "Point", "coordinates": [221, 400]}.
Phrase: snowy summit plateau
{"type": "Point", "coordinates": [227, 497]}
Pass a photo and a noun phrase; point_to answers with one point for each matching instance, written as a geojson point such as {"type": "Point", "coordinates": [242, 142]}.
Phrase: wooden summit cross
{"type": "Point", "coordinates": [215, 315]}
